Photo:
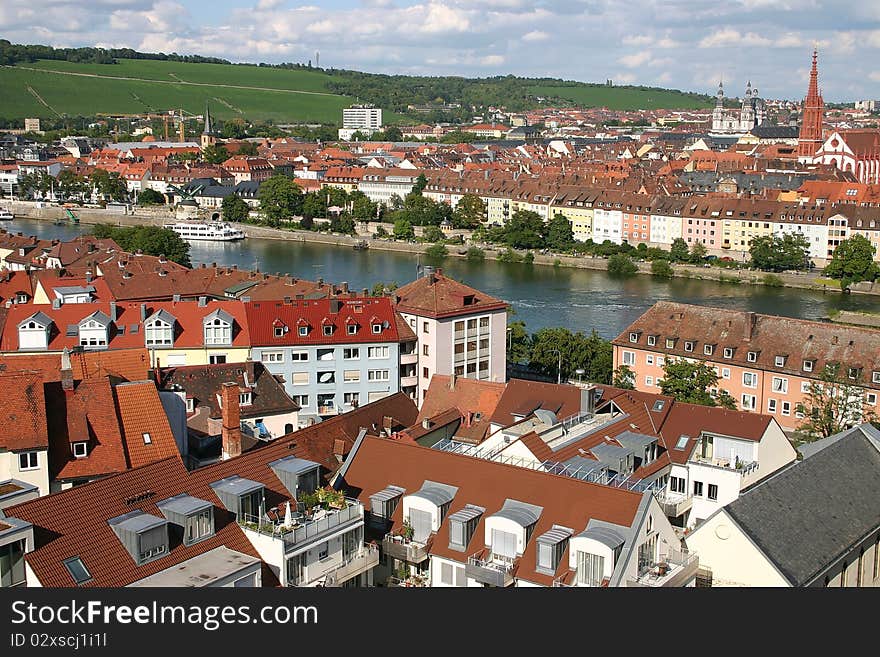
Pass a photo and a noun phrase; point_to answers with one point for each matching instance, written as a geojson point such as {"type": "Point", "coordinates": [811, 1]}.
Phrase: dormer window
{"type": "Point", "coordinates": [854, 372]}
{"type": "Point", "coordinates": [728, 352]}
{"type": "Point", "coordinates": [193, 517]}
{"type": "Point", "coordinates": [328, 329]}
{"type": "Point", "coordinates": [145, 536]}
{"type": "Point", "coordinates": [808, 365]}
{"type": "Point", "coordinates": [377, 328]}
{"type": "Point", "coordinates": [243, 497]}
{"type": "Point", "coordinates": [383, 504]}
{"type": "Point", "coordinates": [159, 330]}
{"type": "Point", "coordinates": [670, 343]}
{"type": "Point", "coordinates": [218, 328]}
{"type": "Point", "coordinates": [652, 340]}
{"type": "Point", "coordinates": [688, 346]}
{"type": "Point", "coordinates": [708, 349]}
{"type": "Point", "coordinates": [244, 398]}
{"type": "Point", "coordinates": [80, 450]}
{"type": "Point", "coordinates": [190, 405]}
{"type": "Point", "coordinates": [352, 329]}
{"type": "Point", "coordinates": [779, 361]}
{"type": "Point", "coordinates": [875, 377]}
{"type": "Point", "coordinates": [462, 525]}
{"type": "Point", "coordinates": [752, 356]}
{"type": "Point", "coordinates": [550, 547]}
{"type": "Point", "coordinates": [633, 337]}
{"type": "Point", "coordinates": [303, 331]}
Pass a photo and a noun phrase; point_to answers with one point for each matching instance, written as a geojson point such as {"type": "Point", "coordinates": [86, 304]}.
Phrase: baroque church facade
{"type": "Point", "coordinates": [731, 121]}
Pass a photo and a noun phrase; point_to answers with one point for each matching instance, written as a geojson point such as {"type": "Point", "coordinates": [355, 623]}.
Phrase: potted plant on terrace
{"type": "Point", "coordinates": [407, 530]}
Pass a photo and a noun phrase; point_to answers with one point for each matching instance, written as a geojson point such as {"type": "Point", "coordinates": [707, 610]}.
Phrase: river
{"type": "Point", "coordinates": [578, 299]}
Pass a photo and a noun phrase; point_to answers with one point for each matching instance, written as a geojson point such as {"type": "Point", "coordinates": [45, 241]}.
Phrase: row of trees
{"type": "Point", "coordinates": [108, 186]}
{"type": "Point", "coordinates": [152, 240]}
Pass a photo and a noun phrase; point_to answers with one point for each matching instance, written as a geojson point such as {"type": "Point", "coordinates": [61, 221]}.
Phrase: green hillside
{"type": "Point", "coordinates": [255, 93]}
{"type": "Point", "coordinates": [623, 98]}
{"type": "Point", "coordinates": [287, 93]}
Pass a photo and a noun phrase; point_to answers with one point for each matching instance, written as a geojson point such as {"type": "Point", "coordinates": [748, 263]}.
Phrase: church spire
{"type": "Point", "coordinates": [208, 128]}
{"type": "Point", "coordinates": [810, 138]}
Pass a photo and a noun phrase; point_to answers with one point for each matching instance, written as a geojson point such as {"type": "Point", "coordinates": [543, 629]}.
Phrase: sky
{"type": "Point", "coordinates": [677, 44]}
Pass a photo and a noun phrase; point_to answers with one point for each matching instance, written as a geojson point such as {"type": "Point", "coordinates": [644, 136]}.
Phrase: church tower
{"type": "Point", "coordinates": [810, 137]}
{"type": "Point", "coordinates": [747, 112]}
{"type": "Point", "coordinates": [209, 137]}
{"type": "Point", "coordinates": [718, 112]}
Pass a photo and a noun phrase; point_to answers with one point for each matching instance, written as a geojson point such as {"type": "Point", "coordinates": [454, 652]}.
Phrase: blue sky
{"type": "Point", "coordinates": [682, 44]}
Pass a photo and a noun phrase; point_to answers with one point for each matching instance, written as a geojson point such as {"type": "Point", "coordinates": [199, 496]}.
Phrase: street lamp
{"type": "Point", "coordinates": [559, 367]}
{"type": "Point", "coordinates": [579, 371]}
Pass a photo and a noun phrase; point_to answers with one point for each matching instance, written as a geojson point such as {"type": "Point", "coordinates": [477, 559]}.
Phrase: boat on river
{"type": "Point", "coordinates": [211, 231]}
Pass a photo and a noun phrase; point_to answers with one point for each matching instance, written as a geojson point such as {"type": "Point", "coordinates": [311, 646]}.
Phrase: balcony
{"type": "Point", "coordinates": [410, 358]}
{"type": "Point", "coordinates": [492, 572]}
{"type": "Point", "coordinates": [307, 528]}
{"type": "Point", "coordinates": [404, 549]}
{"type": "Point", "coordinates": [674, 504]}
{"type": "Point", "coordinates": [743, 467]}
{"type": "Point", "coordinates": [328, 409]}
{"type": "Point", "coordinates": [674, 569]}
{"type": "Point", "coordinates": [363, 561]}
{"type": "Point", "coordinates": [409, 381]}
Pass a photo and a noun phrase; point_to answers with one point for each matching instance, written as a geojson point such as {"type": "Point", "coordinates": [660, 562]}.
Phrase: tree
{"type": "Point", "coordinates": [393, 133]}
{"type": "Point", "coordinates": [524, 230]}
{"type": "Point", "coordinates": [403, 230]}
{"type": "Point", "coordinates": [234, 208]}
{"type": "Point", "coordinates": [693, 383]}
{"type": "Point", "coordinates": [381, 289]}
{"type": "Point", "coordinates": [518, 344]}
{"type": "Point", "coordinates": [578, 351]}
{"type": "Point", "coordinates": [624, 378]}
{"type": "Point", "coordinates": [215, 154]}
{"type": "Point", "coordinates": [853, 261]}
{"type": "Point", "coordinates": [662, 268]}
{"type": "Point", "coordinates": [110, 186]}
{"type": "Point", "coordinates": [342, 224]}
{"type": "Point", "coordinates": [560, 236]}
{"type": "Point", "coordinates": [247, 149]}
{"type": "Point", "coordinates": [698, 252]}
{"type": "Point", "coordinates": [476, 254]}
{"type": "Point", "coordinates": [152, 240]}
{"type": "Point", "coordinates": [834, 403]}
{"type": "Point", "coordinates": [437, 251]}
{"type": "Point", "coordinates": [71, 184]}
{"type": "Point", "coordinates": [769, 253]}
{"type": "Point", "coordinates": [433, 234]}
{"type": "Point", "coordinates": [280, 199]}
{"type": "Point", "coordinates": [234, 129]}
{"type": "Point", "coordinates": [421, 183]}
{"type": "Point", "coordinates": [621, 265]}
{"type": "Point", "coordinates": [362, 207]}
{"type": "Point", "coordinates": [150, 197]}
{"type": "Point", "coordinates": [314, 204]}
{"type": "Point", "coordinates": [679, 251]}
{"type": "Point", "coordinates": [470, 212]}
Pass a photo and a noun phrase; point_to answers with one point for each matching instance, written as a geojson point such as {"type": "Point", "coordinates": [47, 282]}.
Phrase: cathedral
{"type": "Point", "coordinates": [750, 115]}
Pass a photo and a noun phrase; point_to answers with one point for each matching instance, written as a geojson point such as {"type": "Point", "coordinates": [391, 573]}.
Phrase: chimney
{"type": "Point", "coordinates": [88, 276]}
{"type": "Point", "coordinates": [231, 432]}
{"type": "Point", "coordinates": [426, 423]}
{"type": "Point", "coordinates": [588, 400]}
{"type": "Point", "coordinates": [386, 424]}
{"type": "Point", "coordinates": [344, 286]}
{"type": "Point", "coordinates": [56, 304]}
{"type": "Point", "coordinates": [366, 292]}
{"type": "Point", "coordinates": [203, 301]}
{"type": "Point", "coordinates": [113, 311]}
{"type": "Point", "coordinates": [750, 325]}
{"type": "Point", "coordinates": [66, 372]}
{"type": "Point", "coordinates": [335, 305]}
{"type": "Point", "coordinates": [175, 298]}
{"type": "Point", "coordinates": [452, 378]}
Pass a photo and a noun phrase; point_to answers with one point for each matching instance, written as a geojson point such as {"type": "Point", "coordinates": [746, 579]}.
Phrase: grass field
{"type": "Point", "coordinates": [624, 98]}
{"type": "Point", "coordinates": [159, 87]}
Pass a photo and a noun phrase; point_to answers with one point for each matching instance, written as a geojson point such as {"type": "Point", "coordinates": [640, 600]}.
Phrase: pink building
{"type": "Point", "coordinates": [460, 330]}
{"type": "Point", "coordinates": [765, 362]}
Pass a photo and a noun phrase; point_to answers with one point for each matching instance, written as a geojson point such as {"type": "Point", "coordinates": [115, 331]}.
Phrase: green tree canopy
{"type": "Point", "coordinates": [524, 230]}
{"type": "Point", "coordinates": [403, 230]}
{"type": "Point", "coordinates": [470, 212]}
{"type": "Point", "coordinates": [437, 251]}
{"type": "Point", "coordinates": [693, 383]}
{"type": "Point", "coordinates": [215, 154]}
{"type": "Point", "coordinates": [518, 342]}
{"type": "Point", "coordinates": [770, 253]}
{"type": "Point", "coordinates": [678, 251]}
{"type": "Point", "coordinates": [624, 377]}
{"type": "Point", "coordinates": [833, 403]}
{"type": "Point", "coordinates": [621, 264]}
{"type": "Point", "coordinates": [152, 240]}
{"type": "Point", "coordinates": [110, 186]}
{"type": "Point", "coordinates": [697, 253]}
{"type": "Point", "coordinates": [853, 261]}
{"type": "Point", "coordinates": [280, 199]}
{"type": "Point", "coordinates": [234, 208]}
{"type": "Point", "coordinates": [150, 197]}
{"type": "Point", "coordinates": [560, 236]}
{"type": "Point", "coordinates": [578, 351]}
{"type": "Point", "coordinates": [433, 234]}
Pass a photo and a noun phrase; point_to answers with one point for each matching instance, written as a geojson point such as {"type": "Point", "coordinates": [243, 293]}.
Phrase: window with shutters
{"type": "Point", "coordinates": [446, 574]}
{"type": "Point", "coordinates": [503, 544]}
{"type": "Point", "coordinates": [421, 524]}
{"type": "Point", "coordinates": [590, 569]}
{"type": "Point", "coordinates": [460, 577]}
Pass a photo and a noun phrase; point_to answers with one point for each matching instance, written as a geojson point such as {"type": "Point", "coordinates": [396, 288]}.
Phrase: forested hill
{"type": "Point", "coordinates": [436, 97]}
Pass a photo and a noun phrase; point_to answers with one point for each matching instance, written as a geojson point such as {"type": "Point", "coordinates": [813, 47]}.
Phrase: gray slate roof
{"type": "Point", "coordinates": [804, 518]}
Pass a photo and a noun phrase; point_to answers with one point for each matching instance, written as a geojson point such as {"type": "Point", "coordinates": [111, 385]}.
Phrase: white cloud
{"type": "Point", "coordinates": [535, 35]}
{"type": "Point", "coordinates": [492, 60]}
{"type": "Point", "coordinates": [636, 59]}
{"type": "Point", "coordinates": [728, 37]}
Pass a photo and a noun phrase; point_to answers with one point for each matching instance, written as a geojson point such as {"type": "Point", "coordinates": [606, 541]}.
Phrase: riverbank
{"type": "Point", "coordinates": [158, 216]}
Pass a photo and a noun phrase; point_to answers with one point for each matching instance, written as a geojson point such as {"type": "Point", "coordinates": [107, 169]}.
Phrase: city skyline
{"type": "Point", "coordinates": [687, 46]}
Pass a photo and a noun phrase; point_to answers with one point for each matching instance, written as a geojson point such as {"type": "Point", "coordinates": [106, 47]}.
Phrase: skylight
{"type": "Point", "coordinates": [682, 441]}
{"type": "Point", "coordinates": [78, 570]}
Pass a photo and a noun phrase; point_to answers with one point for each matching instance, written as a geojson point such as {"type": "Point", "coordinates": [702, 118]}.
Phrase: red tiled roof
{"type": "Point", "coordinates": [140, 412]}
{"type": "Point", "coordinates": [23, 411]}
{"type": "Point", "coordinates": [128, 364]}
{"type": "Point", "coordinates": [441, 296]}
{"type": "Point", "coordinates": [566, 501]}
{"type": "Point", "coordinates": [264, 316]}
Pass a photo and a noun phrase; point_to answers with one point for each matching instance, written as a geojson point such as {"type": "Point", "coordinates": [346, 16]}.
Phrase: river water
{"type": "Point", "coordinates": [578, 299]}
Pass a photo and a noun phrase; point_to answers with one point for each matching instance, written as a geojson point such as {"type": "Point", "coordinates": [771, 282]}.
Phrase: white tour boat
{"type": "Point", "coordinates": [6, 215]}
{"type": "Point", "coordinates": [211, 231]}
